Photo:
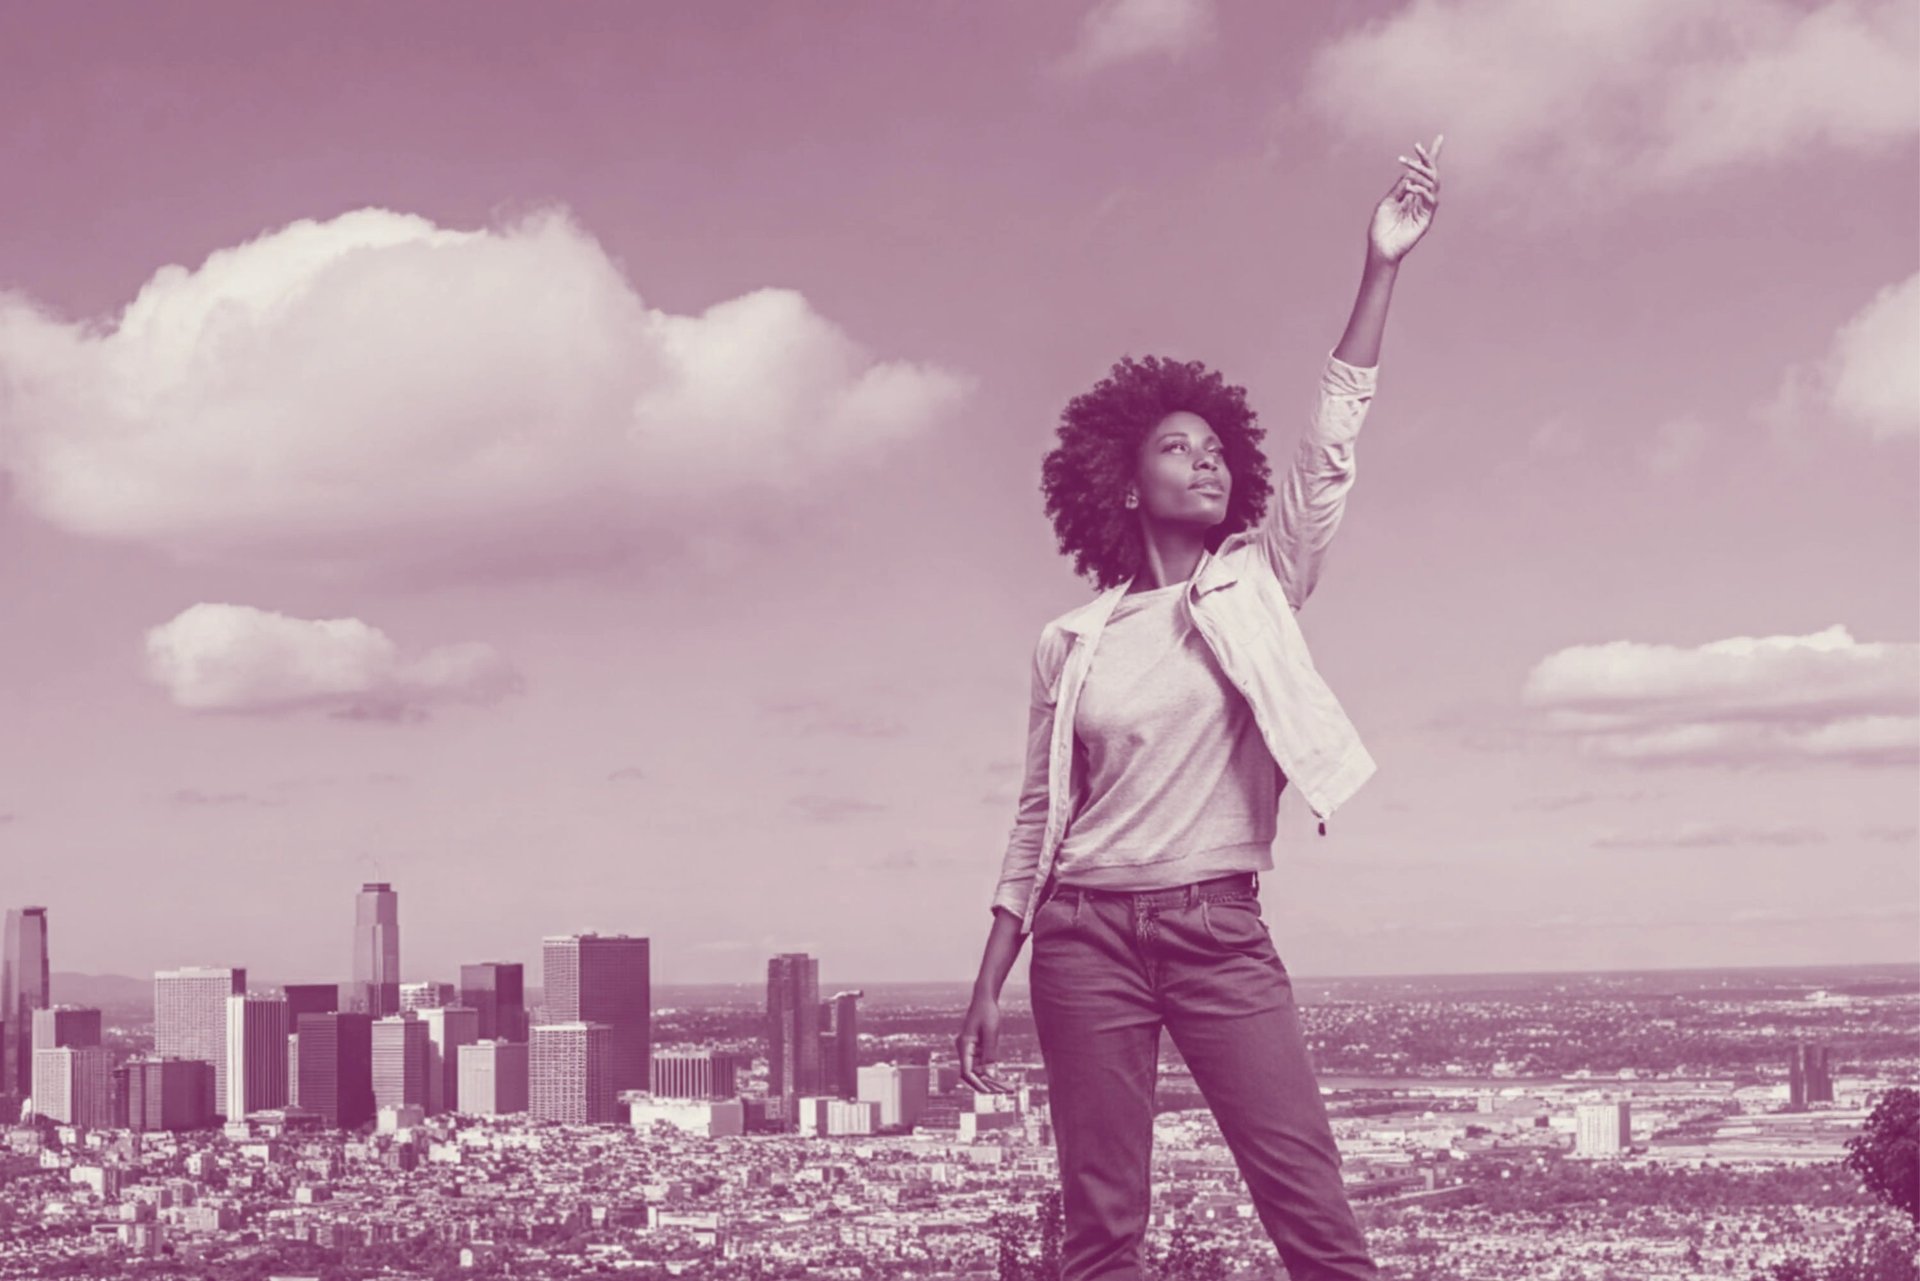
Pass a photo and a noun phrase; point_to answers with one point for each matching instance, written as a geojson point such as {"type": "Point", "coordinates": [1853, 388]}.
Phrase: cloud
{"type": "Point", "coordinates": [1712, 835]}
{"type": "Point", "coordinates": [1745, 700]}
{"type": "Point", "coordinates": [811, 716]}
{"type": "Point", "coordinates": [1868, 378]}
{"type": "Point", "coordinates": [235, 658]}
{"type": "Point", "coordinates": [375, 393]}
{"type": "Point", "coordinates": [1892, 834]}
{"type": "Point", "coordinates": [1676, 443]}
{"type": "Point", "coordinates": [1603, 101]}
{"type": "Point", "coordinates": [626, 774]}
{"type": "Point", "coordinates": [194, 796]}
{"type": "Point", "coordinates": [1117, 31]}
{"type": "Point", "coordinates": [833, 809]}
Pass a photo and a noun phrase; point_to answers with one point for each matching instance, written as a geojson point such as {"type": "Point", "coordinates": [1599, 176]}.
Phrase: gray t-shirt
{"type": "Point", "coordinates": [1180, 785]}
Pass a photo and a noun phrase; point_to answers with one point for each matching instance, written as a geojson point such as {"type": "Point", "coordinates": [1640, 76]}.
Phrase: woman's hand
{"type": "Point", "coordinates": [979, 1032]}
{"type": "Point", "coordinates": [1406, 211]}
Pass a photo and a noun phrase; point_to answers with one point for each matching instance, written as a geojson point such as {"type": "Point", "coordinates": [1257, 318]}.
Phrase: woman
{"type": "Point", "coordinates": [1152, 775]}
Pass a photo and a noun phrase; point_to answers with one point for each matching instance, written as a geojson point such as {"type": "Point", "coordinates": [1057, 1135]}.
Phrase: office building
{"type": "Point", "coordinates": [448, 1028]}
{"type": "Point", "coordinates": [400, 1052]}
{"type": "Point", "coordinates": [498, 990]}
{"type": "Point", "coordinates": [310, 998]}
{"type": "Point", "coordinates": [163, 1094]}
{"type": "Point", "coordinates": [63, 1025]}
{"type": "Point", "coordinates": [72, 1085]}
{"type": "Point", "coordinates": [901, 1090]}
{"type": "Point", "coordinates": [493, 1077]}
{"type": "Point", "coordinates": [570, 1072]}
{"type": "Point", "coordinates": [702, 1074]}
{"type": "Point", "coordinates": [605, 978]}
{"type": "Point", "coordinates": [1602, 1129]}
{"type": "Point", "coordinates": [1809, 1076]}
{"type": "Point", "coordinates": [26, 985]}
{"type": "Point", "coordinates": [256, 1076]}
{"type": "Point", "coordinates": [336, 1067]}
{"type": "Point", "coordinates": [840, 1045]}
{"type": "Point", "coordinates": [703, 1118]}
{"type": "Point", "coordinates": [426, 995]}
{"type": "Point", "coordinates": [376, 950]}
{"type": "Point", "coordinates": [793, 1025]}
{"type": "Point", "coordinates": [190, 1020]}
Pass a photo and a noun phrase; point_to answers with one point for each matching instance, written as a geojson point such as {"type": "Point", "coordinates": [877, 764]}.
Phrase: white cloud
{"type": "Point", "coordinates": [376, 391]}
{"type": "Point", "coordinates": [1745, 700]}
{"type": "Point", "coordinates": [1869, 378]}
{"type": "Point", "coordinates": [1117, 31]}
{"type": "Point", "coordinates": [235, 658]}
{"type": "Point", "coordinates": [1712, 835]}
{"type": "Point", "coordinates": [1605, 100]}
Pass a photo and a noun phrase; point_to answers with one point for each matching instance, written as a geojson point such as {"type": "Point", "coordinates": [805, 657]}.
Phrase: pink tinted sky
{"type": "Point", "coordinates": [581, 465]}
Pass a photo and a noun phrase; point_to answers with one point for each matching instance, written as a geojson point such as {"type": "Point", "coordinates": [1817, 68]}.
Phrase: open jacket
{"type": "Point", "coordinates": [1242, 599]}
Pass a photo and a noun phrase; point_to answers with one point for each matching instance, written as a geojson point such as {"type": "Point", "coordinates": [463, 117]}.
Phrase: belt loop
{"type": "Point", "coordinates": [1256, 882]}
{"type": "Point", "coordinates": [1193, 893]}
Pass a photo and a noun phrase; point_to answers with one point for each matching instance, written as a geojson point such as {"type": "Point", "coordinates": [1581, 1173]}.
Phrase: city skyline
{"type": "Point", "coordinates": [370, 509]}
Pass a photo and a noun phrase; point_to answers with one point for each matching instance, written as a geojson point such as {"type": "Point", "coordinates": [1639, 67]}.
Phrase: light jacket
{"type": "Point", "coordinates": [1242, 599]}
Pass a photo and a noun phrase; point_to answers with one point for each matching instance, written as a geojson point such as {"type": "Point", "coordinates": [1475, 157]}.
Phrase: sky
{"type": "Point", "coordinates": [581, 466]}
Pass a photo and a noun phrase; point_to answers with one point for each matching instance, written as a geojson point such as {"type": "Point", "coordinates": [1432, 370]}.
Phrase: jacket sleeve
{"type": "Point", "coordinates": [1312, 496]}
{"type": "Point", "coordinates": [1022, 857]}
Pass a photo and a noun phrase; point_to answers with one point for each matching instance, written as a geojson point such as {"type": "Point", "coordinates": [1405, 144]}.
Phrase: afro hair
{"type": "Point", "coordinates": [1086, 476]}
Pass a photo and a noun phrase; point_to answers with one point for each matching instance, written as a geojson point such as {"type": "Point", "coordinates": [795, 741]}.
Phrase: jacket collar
{"type": "Point", "coordinates": [1212, 572]}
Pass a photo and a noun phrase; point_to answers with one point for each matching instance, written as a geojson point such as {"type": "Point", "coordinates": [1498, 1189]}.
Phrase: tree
{"type": "Point", "coordinates": [1185, 1259]}
{"type": "Point", "coordinates": [1886, 1152]}
{"type": "Point", "coordinates": [1052, 1232]}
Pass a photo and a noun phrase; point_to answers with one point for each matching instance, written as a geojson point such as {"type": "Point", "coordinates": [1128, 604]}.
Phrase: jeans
{"type": "Point", "coordinates": [1108, 968]}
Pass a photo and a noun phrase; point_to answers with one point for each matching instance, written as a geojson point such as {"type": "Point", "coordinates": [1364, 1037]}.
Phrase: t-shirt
{"type": "Point", "coordinates": [1180, 785]}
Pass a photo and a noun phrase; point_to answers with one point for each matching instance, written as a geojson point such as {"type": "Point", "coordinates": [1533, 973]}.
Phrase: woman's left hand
{"type": "Point", "coordinates": [1405, 212]}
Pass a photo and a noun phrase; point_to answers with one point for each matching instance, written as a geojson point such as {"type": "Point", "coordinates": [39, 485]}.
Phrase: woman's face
{"type": "Point", "coordinates": [1182, 471]}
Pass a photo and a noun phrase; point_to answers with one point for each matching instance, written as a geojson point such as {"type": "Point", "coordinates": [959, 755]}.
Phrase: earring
{"type": "Point", "coordinates": [1133, 500]}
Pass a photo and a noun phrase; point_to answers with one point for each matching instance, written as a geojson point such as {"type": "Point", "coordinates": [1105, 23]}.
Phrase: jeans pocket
{"type": "Point", "coordinates": [1235, 923]}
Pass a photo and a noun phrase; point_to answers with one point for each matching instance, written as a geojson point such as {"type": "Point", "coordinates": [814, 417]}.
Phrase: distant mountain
{"type": "Point", "coordinates": [102, 991]}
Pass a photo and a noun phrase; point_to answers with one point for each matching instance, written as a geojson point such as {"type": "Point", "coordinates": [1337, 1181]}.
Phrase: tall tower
{"type": "Point", "coordinates": [376, 949]}
{"type": "Point", "coordinates": [498, 990]}
{"type": "Point", "coordinates": [605, 978]}
{"type": "Point", "coordinates": [257, 1029]}
{"type": "Point", "coordinates": [336, 1067]}
{"type": "Point", "coordinates": [793, 1025]}
{"type": "Point", "coordinates": [400, 1049]}
{"type": "Point", "coordinates": [190, 1021]}
{"type": "Point", "coordinates": [568, 1066]}
{"type": "Point", "coordinates": [840, 1045]}
{"type": "Point", "coordinates": [26, 985]}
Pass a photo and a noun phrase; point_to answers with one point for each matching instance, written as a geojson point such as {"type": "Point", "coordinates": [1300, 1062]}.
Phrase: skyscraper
{"type": "Point", "coordinates": [493, 1077]}
{"type": "Point", "coordinates": [399, 1062]}
{"type": "Point", "coordinates": [26, 985]}
{"type": "Point", "coordinates": [840, 1045]}
{"type": "Point", "coordinates": [899, 1088]}
{"type": "Point", "coordinates": [59, 1025]}
{"type": "Point", "coordinates": [498, 990]}
{"type": "Point", "coordinates": [190, 1021]}
{"type": "Point", "coordinates": [1603, 1129]}
{"type": "Point", "coordinates": [1809, 1076]}
{"type": "Point", "coordinates": [165, 1094]}
{"type": "Point", "coordinates": [793, 1025]}
{"type": "Point", "coordinates": [376, 949]}
{"type": "Point", "coordinates": [310, 998]}
{"type": "Point", "coordinates": [427, 994]}
{"type": "Point", "coordinates": [605, 978]}
{"type": "Point", "coordinates": [70, 1084]}
{"type": "Point", "coordinates": [448, 1028]}
{"type": "Point", "coordinates": [256, 1076]}
{"type": "Point", "coordinates": [569, 1071]}
{"type": "Point", "coordinates": [702, 1074]}
{"type": "Point", "coordinates": [336, 1067]}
